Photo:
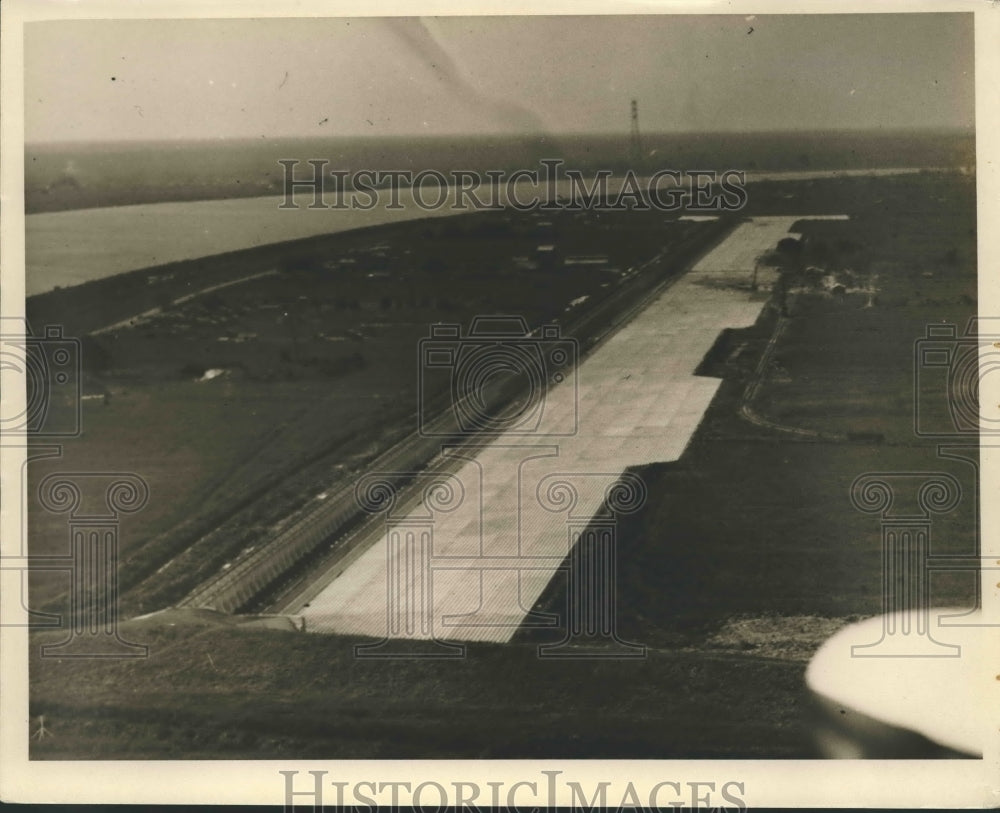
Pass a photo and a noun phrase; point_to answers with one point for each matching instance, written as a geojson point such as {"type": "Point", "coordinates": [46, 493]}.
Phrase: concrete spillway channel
{"type": "Point", "coordinates": [463, 549]}
{"type": "Point", "coordinates": [323, 535]}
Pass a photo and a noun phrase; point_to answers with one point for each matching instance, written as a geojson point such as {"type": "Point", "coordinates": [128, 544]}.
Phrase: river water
{"type": "Point", "coordinates": [72, 247]}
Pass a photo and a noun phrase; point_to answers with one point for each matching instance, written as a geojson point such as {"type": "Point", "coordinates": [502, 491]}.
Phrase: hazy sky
{"type": "Point", "coordinates": [155, 79]}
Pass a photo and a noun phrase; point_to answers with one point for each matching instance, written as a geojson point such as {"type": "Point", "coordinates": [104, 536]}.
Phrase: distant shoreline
{"type": "Point", "coordinates": [66, 249]}
{"type": "Point", "coordinates": [72, 176]}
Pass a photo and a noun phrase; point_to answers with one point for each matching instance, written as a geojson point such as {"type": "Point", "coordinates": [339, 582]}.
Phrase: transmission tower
{"type": "Point", "coordinates": [635, 140]}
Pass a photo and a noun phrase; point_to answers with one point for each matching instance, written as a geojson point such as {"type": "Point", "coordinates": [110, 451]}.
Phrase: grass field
{"type": "Point", "coordinates": [747, 555]}
{"type": "Point", "coordinates": [308, 696]}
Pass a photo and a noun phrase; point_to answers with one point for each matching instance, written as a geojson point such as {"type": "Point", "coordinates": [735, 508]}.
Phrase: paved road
{"type": "Point", "coordinates": [139, 318]}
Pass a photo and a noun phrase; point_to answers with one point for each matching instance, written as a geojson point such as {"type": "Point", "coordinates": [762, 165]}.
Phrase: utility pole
{"type": "Point", "coordinates": [635, 140]}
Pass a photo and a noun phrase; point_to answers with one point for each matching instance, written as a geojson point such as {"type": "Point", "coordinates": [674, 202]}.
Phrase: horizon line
{"type": "Point", "coordinates": [867, 131]}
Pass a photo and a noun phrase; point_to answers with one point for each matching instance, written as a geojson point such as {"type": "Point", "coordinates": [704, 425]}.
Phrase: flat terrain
{"type": "Point", "coordinates": [634, 400]}
{"type": "Point", "coordinates": [315, 369]}
{"type": "Point", "coordinates": [225, 693]}
{"type": "Point", "coordinates": [747, 555]}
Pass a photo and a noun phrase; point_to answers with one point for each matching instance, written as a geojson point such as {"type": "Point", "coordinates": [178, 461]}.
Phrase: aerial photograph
{"type": "Point", "coordinates": [502, 388]}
